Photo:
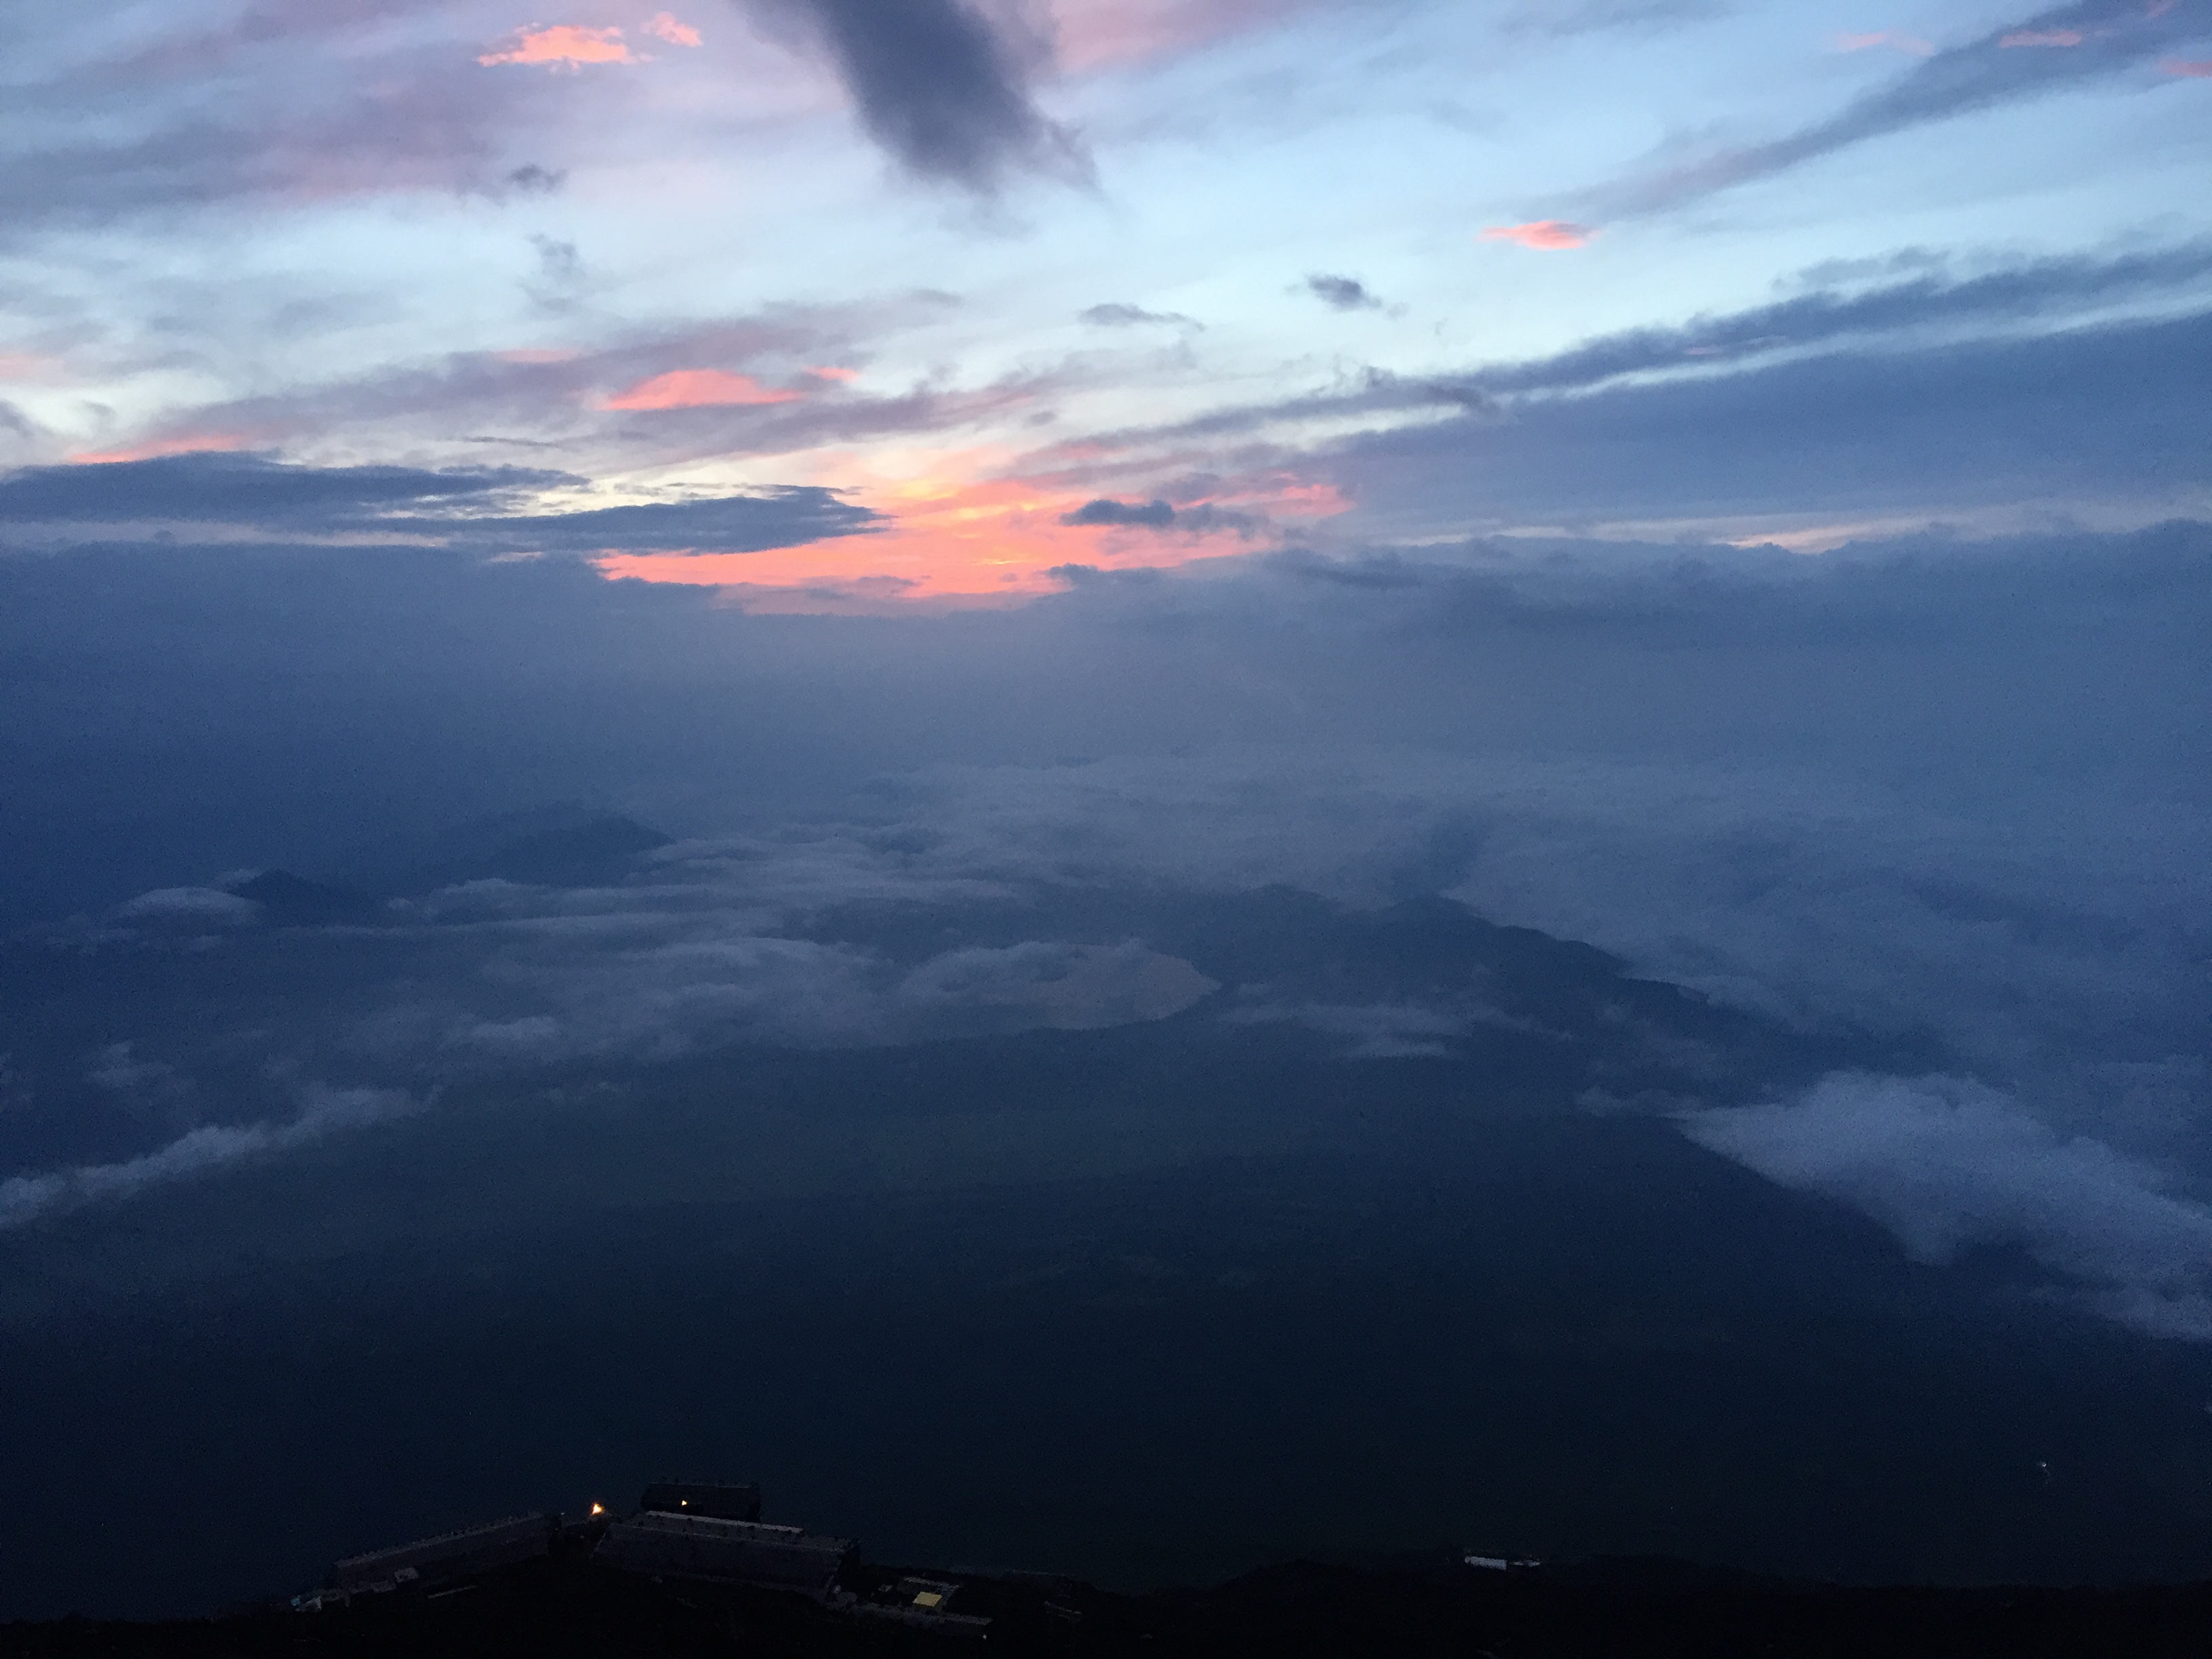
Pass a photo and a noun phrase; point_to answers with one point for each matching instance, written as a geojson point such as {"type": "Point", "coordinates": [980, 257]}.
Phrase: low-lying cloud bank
{"type": "Point", "coordinates": [481, 510]}
{"type": "Point", "coordinates": [661, 985]}
{"type": "Point", "coordinates": [324, 1112]}
{"type": "Point", "coordinates": [1945, 1163]}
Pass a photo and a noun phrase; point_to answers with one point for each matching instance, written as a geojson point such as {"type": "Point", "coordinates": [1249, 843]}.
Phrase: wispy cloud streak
{"type": "Point", "coordinates": [565, 46]}
{"type": "Point", "coordinates": [203, 1151]}
{"type": "Point", "coordinates": [2099, 37]}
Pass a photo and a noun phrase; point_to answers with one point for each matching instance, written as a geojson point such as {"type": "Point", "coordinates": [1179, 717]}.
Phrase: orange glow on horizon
{"type": "Point", "coordinates": [700, 388]}
{"type": "Point", "coordinates": [985, 543]}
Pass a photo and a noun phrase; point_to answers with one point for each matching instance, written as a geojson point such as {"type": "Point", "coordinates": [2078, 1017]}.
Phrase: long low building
{"type": "Point", "coordinates": [449, 1555]}
{"type": "Point", "coordinates": [683, 1546]}
{"type": "Point", "coordinates": [723, 1502]}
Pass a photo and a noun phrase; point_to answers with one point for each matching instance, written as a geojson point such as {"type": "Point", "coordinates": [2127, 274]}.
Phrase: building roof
{"type": "Point", "coordinates": [440, 1543]}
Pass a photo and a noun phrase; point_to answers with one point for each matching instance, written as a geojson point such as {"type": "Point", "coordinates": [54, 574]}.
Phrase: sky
{"type": "Point", "coordinates": [974, 267]}
{"type": "Point", "coordinates": [637, 614]}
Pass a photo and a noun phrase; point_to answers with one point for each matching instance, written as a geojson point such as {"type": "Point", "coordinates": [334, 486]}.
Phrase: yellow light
{"type": "Point", "coordinates": [598, 1508]}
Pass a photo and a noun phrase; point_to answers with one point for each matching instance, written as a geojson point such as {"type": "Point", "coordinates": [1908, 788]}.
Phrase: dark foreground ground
{"type": "Point", "coordinates": [568, 1605]}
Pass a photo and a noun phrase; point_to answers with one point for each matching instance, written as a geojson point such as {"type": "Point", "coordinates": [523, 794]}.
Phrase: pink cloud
{"type": "Point", "coordinates": [957, 541]}
{"type": "Point", "coordinates": [663, 26]}
{"type": "Point", "coordinates": [699, 388]}
{"type": "Point", "coordinates": [186, 443]}
{"type": "Point", "coordinates": [2158, 8]}
{"type": "Point", "coordinates": [538, 354]}
{"type": "Point", "coordinates": [831, 373]}
{"type": "Point", "coordinates": [2044, 37]}
{"type": "Point", "coordinates": [2201, 68]}
{"type": "Point", "coordinates": [564, 47]}
{"type": "Point", "coordinates": [1103, 34]}
{"type": "Point", "coordinates": [1548, 235]}
{"type": "Point", "coordinates": [1911, 43]}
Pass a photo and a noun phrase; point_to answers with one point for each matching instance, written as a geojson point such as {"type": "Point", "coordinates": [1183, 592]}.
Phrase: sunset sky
{"type": "Point", "coordinates": [1003, 277]}
{"type": "Point", "coordinates": [1130, 786]}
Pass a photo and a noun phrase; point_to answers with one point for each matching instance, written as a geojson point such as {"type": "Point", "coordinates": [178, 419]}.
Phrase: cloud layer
{"type": "Point", "coordinates": [1896, 790]}
{"type": "Point", "coordinates": [474, 507]}
{"type": "Point", "coordinates": [324, 1112]}
{"type": "Point", "coordinates": [1946, 1163]}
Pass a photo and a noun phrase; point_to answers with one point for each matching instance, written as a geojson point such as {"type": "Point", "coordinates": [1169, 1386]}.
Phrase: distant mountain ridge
{"type": "Point", "coordinates": [291, 901]}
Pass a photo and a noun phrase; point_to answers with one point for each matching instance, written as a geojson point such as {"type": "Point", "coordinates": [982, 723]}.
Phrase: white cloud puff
{"type": "Point", "coordinates": [1944, 1163]}
{"type": "Point", "coordinates": [25, 1199]}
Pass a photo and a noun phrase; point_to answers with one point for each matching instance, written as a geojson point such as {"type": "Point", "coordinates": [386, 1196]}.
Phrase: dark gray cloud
{"type": "Point", "coordinates": [2054, 49]}
{"type": "Point", "coordinates": [1928, 304]}
{"type": "Point", "coordinates": [1117, 315]}
{"type": "Point", "coordinates": [1342, 292]}
{"type": "Point", "coordinates": [1923, 310]}
{"type": "Point", "coordinates": [269, 113]}
{"type": "Point", "coordinates": [782, 517]}
{"type": "Point", "coordinates": [253, 488]}
{"type": "Point", "coordinates": [1158, 515]}
{"type": "Point", "coordinates": [2113, 414]}
{"type": "Point", "coordinates": [941, 88]}
{"type": "Point", "coordinates": [561, 278]}
{"type": "Point", "coordinates": [2045, 382]}
{"type": "Point", "coordinates": [259, 104]}
{"type": "Point", "coordinates": [1151, 515]}
{"type": "Point", "coordinates": [473, 507]}
{"type": "Point", "coordinates": [532, 180]}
